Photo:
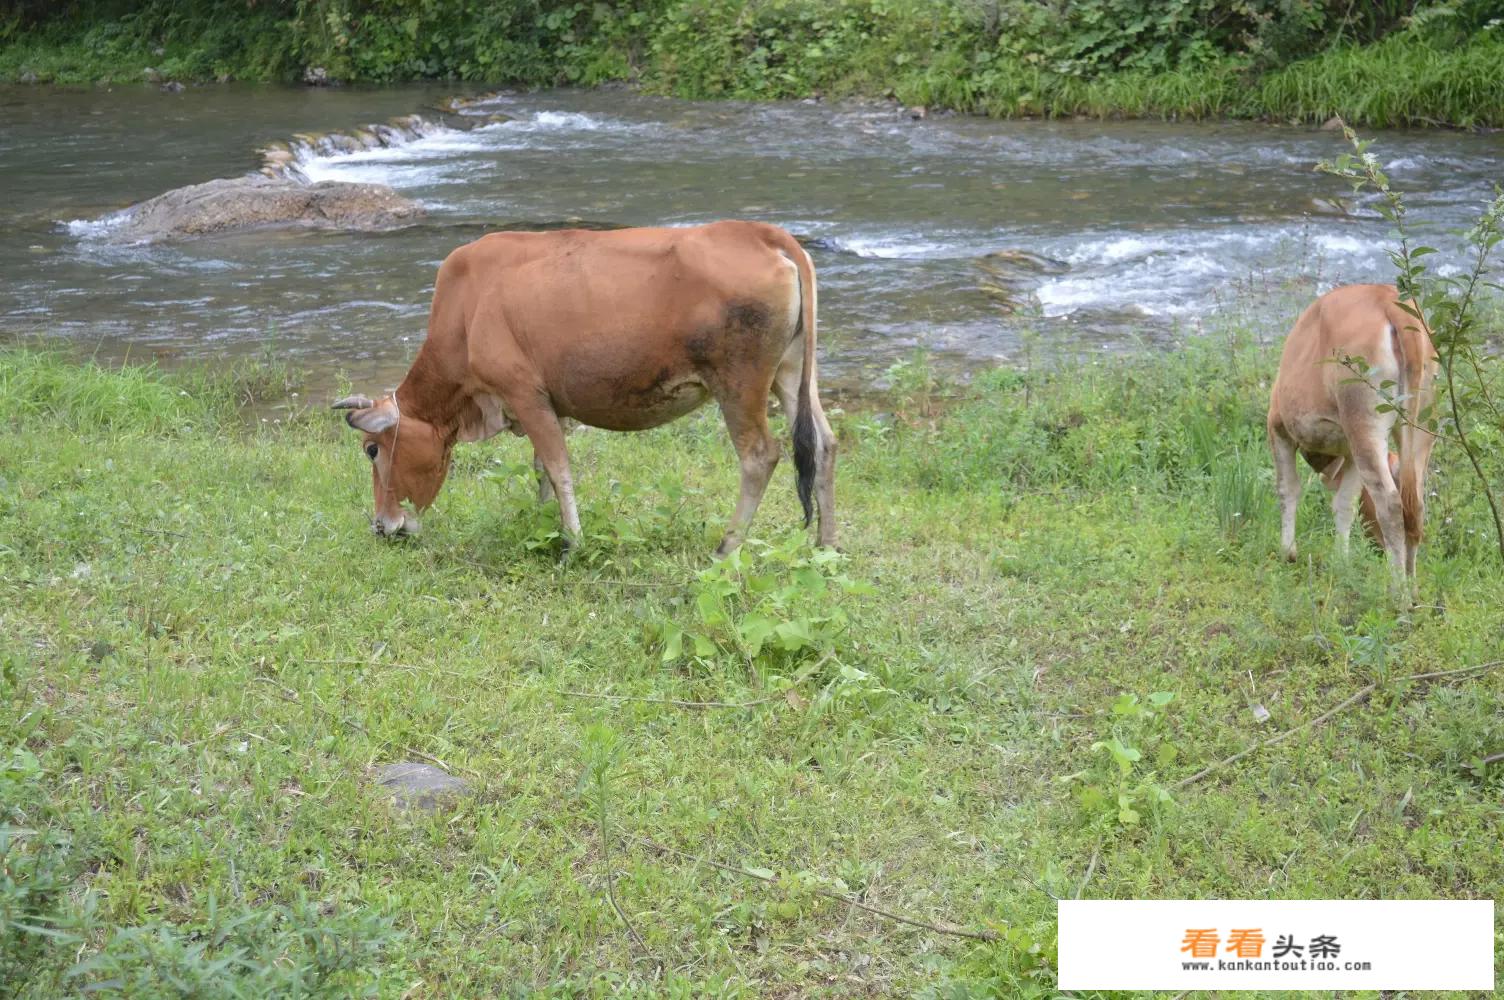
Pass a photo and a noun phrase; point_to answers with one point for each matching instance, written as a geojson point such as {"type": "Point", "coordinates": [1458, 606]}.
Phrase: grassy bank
{"type": "Point", "coordinates": [205, 655]}
{"type": "Point", "coordinates": [1396, 63]}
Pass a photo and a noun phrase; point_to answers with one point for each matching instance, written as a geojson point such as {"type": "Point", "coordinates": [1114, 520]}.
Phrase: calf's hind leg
{"type": "Point", "coordinates": [1367, 432]}
{"type": "Point", "coordinates": [1372, 463]}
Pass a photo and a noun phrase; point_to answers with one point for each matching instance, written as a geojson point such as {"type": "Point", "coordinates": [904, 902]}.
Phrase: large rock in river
{"type": "Point", "coordinates": [220, 206]}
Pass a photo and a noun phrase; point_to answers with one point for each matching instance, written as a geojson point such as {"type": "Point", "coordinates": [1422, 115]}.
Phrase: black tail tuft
{"type": "Point", "coordinates": [805, 439]}
{"type": "Point", "coordinates": [804, 454]}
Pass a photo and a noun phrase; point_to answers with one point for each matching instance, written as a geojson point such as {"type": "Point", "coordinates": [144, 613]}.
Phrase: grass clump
{"type": "Point", "coordinates": [41, 387]}
{"type": "Point", "coordinates": [1038, 629]}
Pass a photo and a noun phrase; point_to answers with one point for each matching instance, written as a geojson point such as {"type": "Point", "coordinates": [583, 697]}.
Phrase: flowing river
{"type": "Point", "coordinates": [1102, 236]}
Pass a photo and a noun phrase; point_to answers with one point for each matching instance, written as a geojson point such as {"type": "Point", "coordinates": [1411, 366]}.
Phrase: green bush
{"type": "Point", "coordinates": [1395, 62]}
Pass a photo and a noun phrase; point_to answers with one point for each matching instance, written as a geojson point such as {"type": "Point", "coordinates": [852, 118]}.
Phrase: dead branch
{"type": "Point", "coordinates": [665, 701]}
{"type": "Point", "coordinates": [518, 686]}
{"type": "Point", "coordinates": [1356, 699]}
{"type": "Point", "coordinates": [849, 900]}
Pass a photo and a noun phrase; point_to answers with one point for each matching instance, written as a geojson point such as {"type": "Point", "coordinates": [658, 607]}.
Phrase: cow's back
{"type": "Point", "coordinates": [1348, 322]}
{"type": "Point", "coordinates": [624, 328]}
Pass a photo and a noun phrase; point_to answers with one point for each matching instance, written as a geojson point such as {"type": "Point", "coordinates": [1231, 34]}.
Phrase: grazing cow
{"type": "Point", "coordinates": [1320, 408]}
{"type": "Point", "coordinates": [624, 330]}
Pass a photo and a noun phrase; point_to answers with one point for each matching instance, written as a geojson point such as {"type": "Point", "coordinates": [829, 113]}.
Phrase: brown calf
{"type": "Point", "coordinates": [1319, 408]}
{"type": "Point", "coordinates": [623, 330]}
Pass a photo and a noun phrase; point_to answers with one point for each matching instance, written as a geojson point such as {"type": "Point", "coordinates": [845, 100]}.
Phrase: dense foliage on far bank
{"type": "Point", "coordinates": [1393, 62]}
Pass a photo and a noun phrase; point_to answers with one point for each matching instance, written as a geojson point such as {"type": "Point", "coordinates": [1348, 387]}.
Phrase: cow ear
{"type": "Point", "coordinates": [375, 418]}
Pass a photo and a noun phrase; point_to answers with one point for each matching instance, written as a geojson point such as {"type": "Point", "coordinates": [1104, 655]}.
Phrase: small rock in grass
{"type": "Point", "coordinates": [419, 786]}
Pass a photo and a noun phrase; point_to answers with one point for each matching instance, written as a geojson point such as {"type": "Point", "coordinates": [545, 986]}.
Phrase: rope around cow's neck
{"type": "Point", "coordinates": [391, 459]}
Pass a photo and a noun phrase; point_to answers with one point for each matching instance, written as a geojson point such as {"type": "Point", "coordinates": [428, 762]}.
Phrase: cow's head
{"type": "Point", "coordinates": [409, 460]}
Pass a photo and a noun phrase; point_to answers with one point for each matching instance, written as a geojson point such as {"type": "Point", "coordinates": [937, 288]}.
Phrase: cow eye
{"type": "Point", "coordinates": [371, 450]}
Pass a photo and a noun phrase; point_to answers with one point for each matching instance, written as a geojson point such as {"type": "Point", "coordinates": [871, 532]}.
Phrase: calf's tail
{"type": "Point", "coordinates": [1415, 385]}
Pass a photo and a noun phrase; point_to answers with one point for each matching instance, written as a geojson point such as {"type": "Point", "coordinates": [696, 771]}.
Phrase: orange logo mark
{"type": "Point", "coordinates": [1200, 942]}
{"type": "Point", "coordinates": [1246, 942]}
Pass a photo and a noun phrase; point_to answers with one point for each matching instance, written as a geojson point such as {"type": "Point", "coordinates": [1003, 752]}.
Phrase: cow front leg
{"type": "Point", "coordinates": [1345, 503]}
{"type": "Point", "coordinates": [543, 429]}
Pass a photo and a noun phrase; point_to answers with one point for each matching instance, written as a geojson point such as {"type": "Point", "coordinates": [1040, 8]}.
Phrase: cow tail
{"type": "Point", "coordinates": [1416, 389]}
{"type": "Point", "coordinates": [806, 442]}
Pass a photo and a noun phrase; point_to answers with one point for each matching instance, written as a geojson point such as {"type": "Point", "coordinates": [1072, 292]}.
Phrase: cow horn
{"type": "Point", "coordinates": [353, 403]}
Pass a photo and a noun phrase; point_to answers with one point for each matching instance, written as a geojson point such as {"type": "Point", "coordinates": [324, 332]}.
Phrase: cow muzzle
{"type": "Point", "coordinates": [402, 526]}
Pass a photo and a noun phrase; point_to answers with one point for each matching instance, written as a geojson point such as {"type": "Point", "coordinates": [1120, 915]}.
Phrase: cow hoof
{"type": "Point", "coordinates": [567, 548]}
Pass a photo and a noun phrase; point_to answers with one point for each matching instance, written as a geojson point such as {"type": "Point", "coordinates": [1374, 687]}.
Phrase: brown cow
{"type": "Point", "coordinates": [1321, 409]}
{"type": "Point", "coordinates": [623, 330]}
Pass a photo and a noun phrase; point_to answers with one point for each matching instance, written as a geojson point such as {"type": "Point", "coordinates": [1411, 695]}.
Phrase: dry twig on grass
{"type": "Point", "coordinates": [1358, 698]}
{"type": "Point", "coordinates": [562, 692]}
{"type": "Point", "coordinates": [849, 900]}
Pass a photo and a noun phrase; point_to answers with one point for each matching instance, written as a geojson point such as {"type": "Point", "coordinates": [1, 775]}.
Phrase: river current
{"type": "Point", "coordinates": [1102, 236]}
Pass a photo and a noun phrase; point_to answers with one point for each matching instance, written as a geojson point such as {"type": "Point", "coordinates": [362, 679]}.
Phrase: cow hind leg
{"type": "Point", "coordinates": [786, 386]}
{"type": "Point", "coordinates": [1371, 458]}
{"type": "Point", "coordinates": [757, 451]}
{"type": "Point", "coordinates": [1287, 485]}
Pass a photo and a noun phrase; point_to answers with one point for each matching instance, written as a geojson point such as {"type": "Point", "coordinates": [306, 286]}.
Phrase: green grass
{"type": "Point", "coordinates": [180, 41]}
{"type": "Point", "coordinates": [1403, 80]}
{"type": "Point", "coordinates": [204, 654]}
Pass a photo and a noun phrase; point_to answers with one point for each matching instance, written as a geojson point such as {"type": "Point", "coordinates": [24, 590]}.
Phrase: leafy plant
{"type": "Point", "coordinates": [602, 753]}
{"type": "Point", "coordinates": [912, 385]}
{"type": "Point", "coordinates": [769, 606]}
{"type": "Point", "coordinates": [34, 882]}
{"type": "Point", "coordinates": [1369, 644]}
{"type": "Point", "coordinates": [1120, 787]}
